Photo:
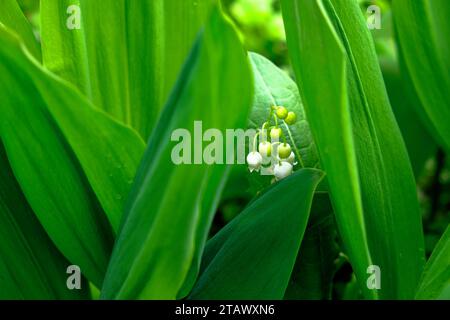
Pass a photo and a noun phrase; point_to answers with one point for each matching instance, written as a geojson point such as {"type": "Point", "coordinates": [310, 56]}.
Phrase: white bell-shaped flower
{"type": "Point", "coordinates": [282, 170]}
{"type": "Point", "coordinates": [290, 159]}
{"type": "Point", "coordinates": [254, 161]}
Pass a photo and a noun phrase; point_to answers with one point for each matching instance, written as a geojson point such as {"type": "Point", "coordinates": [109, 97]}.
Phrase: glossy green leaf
{"type": "Point", "coordinates": [126, 55]}
{"type": "Point", "coordinates": [436, 277]}
{"type": "Point", "coordinates": [29, 5]}
{"type": "Point", "coordinates": [360, 146]}
{"type": "Point", "coordinates": [422, 29]}
{"type": "Point", "coordinates": [64, 153]}
{"type": "Point", "coordinates": [30, 265]}
{"type": "Point", "coordinates": [63, 48]}
{"type": "Point", "coordinates": [254, 255]}
{"type": "Point", "coordinates": [404, 100]}
{"type": "Point", "coordinates": [158, 251]}
{"type": "Point", "coordinates": [333, 132]}
{"type": "Point", "coordinates": [312, 278]}
{"type": "Point", "coordinates": [419, 142]}
{"type": "Point", "coordinates": [12, 17]}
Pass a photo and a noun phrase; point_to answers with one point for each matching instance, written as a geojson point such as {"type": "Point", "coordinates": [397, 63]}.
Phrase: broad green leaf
{"type": "Point", "coordinates": [30, 265]}
{"type": "Point", "coordinates": [274, 87]}
{"type": "Point", "coordinates": [171, 206]}
{"type": "Point", "coordinates": [419, 142]}
{"type": "Point", "coordinates": [64, 153]}
{"type": "Point", "coordinates": [360, 146]}
{"type": "Point", "coordinates": [436, 277]}
{"type": "Point", "coordinates": [29, 5]}
{"type": "Point", "coordinates": [422, 29]}
{"type": "Point", "coordinates": [254, 255]}
{"type": "Point", "coordinates": [126, 55]}
{"type": "Point", "coordinates": [445, 294]}
{"type": "Point", "coordinates": [12, 17]}
{"type": "Point", "coordinates": [329, 118]}
{"type": "Point", "coordinates": [64, 49]}
{"type": "Point", "coordinates": [312, 278]}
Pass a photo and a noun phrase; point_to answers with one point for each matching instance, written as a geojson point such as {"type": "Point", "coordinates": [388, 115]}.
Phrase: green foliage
{"type": "Point", "coordinates": [436, 277]}
{"type": "Point", "coordinates": [318, 258]}
{"type": "Point", "coordinates": [58, 192]}
{"type": "Point", "coordinates": [379, 197]}
{"type": "Point", "coordinates": [27, 252]}
{"type": "Point", "coordinates": [153, 257]}
{"type": "Point", "coordinates": [89, 104]}
{"type": "Point", "coordinates": [140, 70]}
{"type": "Point", "coordinates": [249, 259]}
{"type": "Point", "coordinates": [422, 29]}
{"type": "Point", "coordinates": [12, 17]}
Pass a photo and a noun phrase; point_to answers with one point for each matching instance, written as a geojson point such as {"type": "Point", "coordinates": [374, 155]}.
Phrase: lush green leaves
{"type": "Point", "coordinates": [331, 120]}
{"type": "Point", "coordinates": [11, 16]}
{"type": "Point", "coordinates": [30, 265]}
{"type": "Point", "coordinates": [312, 278]}
{"type": "Point", "coordinates": [436, 277]}
{"type": "Point", "coordinates": [64, 153]}
{"type": "Point", "coordinates": [360, 146]}
{"type": "Point", "coordinates": [138, 46]}
{"type": "Point", "coordinates": [171, 206]}
{"type": "Point", "coordinates": [422, 28]}
{"type": "Point", "coordinates": [421, 145]}
{"type": "Point", "coordinates": [254, 255]}
{"type": "Point", "coordinates": [64, 48]}
{"type": "Point", "coordinates": [71, 143]}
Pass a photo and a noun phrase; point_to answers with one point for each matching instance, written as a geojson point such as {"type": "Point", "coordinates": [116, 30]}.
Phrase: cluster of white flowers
{"type": "Point", "coordinates": [278, 156]}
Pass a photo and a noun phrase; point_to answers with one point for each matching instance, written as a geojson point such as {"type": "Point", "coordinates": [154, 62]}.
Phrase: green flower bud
{"type": "Point", "coordinates": [290, 159]}
{"type": "Point", "coordinates": [275, 134]}
{"type": "Point", "coordinates": [291, 118]}
{"type": "Point", "coordinates": [282, 112]}
{"type": "Point", "coordinates": [284, 151]}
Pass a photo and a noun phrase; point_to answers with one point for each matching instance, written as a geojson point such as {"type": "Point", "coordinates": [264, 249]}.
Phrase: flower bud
{"type": "Point", "coordinates": [291, 118]}
{"type": "Point", "coordinates": [282, 170]}
{"type": "Point", "coordinates": [254, 161]}
{"type": "Point", "coordinates": [275, 134]}
{"type": "Point", "coordinates": [282, 112]}
{"type": "Point", "coordinates": [284, 151]}
{"type": "Point", "coordinates": [290, 159]}
{"type": "Point", "coordinates": [265, 149]}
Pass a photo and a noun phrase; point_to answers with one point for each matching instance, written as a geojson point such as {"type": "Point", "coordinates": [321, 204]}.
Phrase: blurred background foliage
{"type": "Point", "coordinates": [261, 26]}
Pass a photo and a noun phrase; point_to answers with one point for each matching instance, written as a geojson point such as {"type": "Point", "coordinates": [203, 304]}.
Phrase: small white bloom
{"type": "Point", "coordinates": [290, 159]}
{"type": "Point", "coordinates": [254, 161]}
{"type": "Point", "coordinates": [282, 170]}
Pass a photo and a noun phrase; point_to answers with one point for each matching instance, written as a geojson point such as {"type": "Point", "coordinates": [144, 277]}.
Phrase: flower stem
{"type": "Point", "coordinates": [297, 153]}
{"type": "Point", "coordinates": [255, 139]}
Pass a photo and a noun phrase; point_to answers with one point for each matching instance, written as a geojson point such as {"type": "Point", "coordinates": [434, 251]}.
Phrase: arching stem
{"type": "Point", "coordinates": [297, 152]}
